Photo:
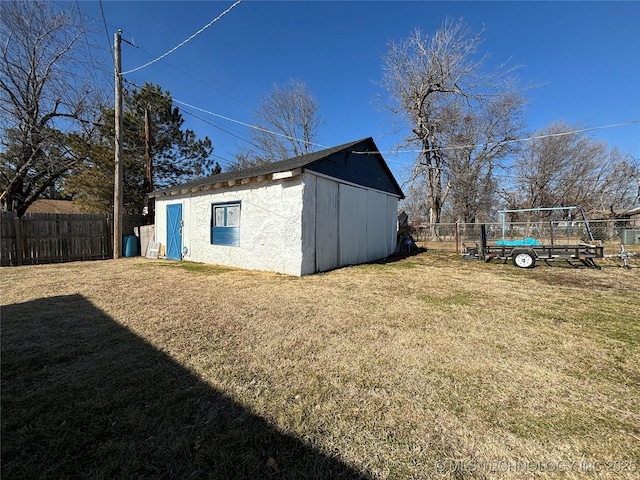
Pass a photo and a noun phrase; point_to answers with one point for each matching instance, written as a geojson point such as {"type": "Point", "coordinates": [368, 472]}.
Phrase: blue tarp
{"type": "Point", "coordinates": [527, 242]}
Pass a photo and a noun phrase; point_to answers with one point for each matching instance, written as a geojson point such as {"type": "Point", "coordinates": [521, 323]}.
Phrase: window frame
{"type": "Point", "coordinates": [225, 235]}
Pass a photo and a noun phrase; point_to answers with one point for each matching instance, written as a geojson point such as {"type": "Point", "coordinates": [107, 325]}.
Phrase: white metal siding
{"type": "Point", "coordinates": [377, 226]}
{"type": "Point", "coordinates": [326, 225]}
{"type": "Point", "coordinates": [308, 225]}
{"type": "Point", "coordinates": [350, 224]}
{"type": "Point", "coordinates": [392, 224]}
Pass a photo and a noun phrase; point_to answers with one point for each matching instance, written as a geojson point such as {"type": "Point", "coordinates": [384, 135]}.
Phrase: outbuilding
{"type": "Point", "coordinates": [307, 214]}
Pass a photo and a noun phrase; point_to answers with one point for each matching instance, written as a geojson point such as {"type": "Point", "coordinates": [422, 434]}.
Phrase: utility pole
{"type": "Point", "coordinates": [148, 162]}
{"type": "Point", "coordinates": [118, 185]}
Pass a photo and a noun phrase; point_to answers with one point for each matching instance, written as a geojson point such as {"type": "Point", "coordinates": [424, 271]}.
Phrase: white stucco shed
{"type": "Point", "coordinates": [303, 215]}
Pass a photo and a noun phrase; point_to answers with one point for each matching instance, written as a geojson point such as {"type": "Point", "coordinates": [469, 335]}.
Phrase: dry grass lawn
{"type": "Point", "coordinates": [427, 367]}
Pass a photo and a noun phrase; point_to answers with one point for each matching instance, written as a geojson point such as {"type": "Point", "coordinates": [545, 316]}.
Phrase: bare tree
{"type": "Point", "coordinates": [438, 86]}
{"type": "Point", "coordinates": [622, 183]}
{"type": "Point", "coordinates": [42, 98]}
{"type": "Point", "coordinates": [563, 168]}
{"type": "Point", "coordinates": [414, 203]}
{"type": "Point", "coordinates": [480, 139]}
{"type": "Point", "coordinates": [288, 122]}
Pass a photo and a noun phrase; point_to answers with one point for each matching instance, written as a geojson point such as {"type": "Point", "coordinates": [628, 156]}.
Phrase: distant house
{"type": "Point", "coordinates": [47, 205]}
{"type": "Point", "coordinates": [631, 216]}
{"type": "Point", "coordinates": [303, 215]}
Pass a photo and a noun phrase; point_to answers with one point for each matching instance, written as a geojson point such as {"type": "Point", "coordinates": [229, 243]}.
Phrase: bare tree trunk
{"type": "Point", "coordinates": [436, 82]}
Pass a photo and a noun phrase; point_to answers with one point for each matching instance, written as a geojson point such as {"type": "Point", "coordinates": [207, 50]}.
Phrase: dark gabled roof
{"type": "Point", "coordinates": [315, 161]}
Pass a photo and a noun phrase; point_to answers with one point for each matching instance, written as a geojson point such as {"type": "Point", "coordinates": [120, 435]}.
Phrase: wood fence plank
{"type": "Point", "coordinates": [18, 236]}
{"type": "Point", "coordinates": [48, 238]}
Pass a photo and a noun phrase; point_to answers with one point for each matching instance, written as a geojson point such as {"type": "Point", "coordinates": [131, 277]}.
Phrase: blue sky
{"type": "Point", "coordinates": [585, 57]}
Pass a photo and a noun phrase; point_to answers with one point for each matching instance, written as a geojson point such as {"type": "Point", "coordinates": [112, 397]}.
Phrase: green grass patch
{"type": "Point", "coordinates": [187, 266]}
{"type": "Point", "coordinates": [612, 314]}
{"type": "Point", "coordinates": [566, 422]}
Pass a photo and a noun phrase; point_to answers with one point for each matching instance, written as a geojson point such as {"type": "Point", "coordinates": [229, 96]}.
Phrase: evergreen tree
{"type": "Point", "coordinates": [177, 154]}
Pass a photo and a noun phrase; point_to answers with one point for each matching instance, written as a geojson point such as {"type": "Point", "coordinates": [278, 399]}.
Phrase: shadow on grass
{"type": "Point", "coordinates": [83, 397]}
{"type": "Point", "coordinates": [397, 257]}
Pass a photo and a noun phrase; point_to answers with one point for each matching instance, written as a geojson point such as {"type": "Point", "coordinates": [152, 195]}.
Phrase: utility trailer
{"type": "Point", "coordinates": [525, 254]}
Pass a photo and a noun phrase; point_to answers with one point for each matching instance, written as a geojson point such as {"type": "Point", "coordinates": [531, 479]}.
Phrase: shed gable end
{"type": "Point", "coordinates": [355, 165]}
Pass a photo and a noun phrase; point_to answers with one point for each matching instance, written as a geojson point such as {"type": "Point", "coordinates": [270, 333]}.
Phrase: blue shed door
{"type": "Point", "coordinates": [174, 231]}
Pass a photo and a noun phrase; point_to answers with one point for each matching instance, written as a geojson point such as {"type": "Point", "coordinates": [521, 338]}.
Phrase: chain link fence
{"type": "Point", "coordinates": [453, 237]}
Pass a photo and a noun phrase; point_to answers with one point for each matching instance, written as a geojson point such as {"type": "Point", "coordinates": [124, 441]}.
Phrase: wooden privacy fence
{"type": "Point", "coordinates": [50, 237]}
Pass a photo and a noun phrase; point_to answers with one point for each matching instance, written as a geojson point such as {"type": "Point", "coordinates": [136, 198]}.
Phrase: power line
{"type": "Point", "coordinates": [255, 127]}
{"type": "Point", "coordinates": [192, 77]}
{"type": "Point", "coordinates": [106, 31]}
{"type": "Point", "coordinates": [133, 44]}
{"type": "Point", "coordinates": [153, 55]}
{"type": "Point", "coordinates": [594, 181]}
{"type": "Point", "coordinates": [236, 135]}
{"type": "Point", "coordinates": [222, 159]}
{"type": "Point", "coordinates": [185, 41]}
{"type": "Point", "coordinates": [229, 162]}
{"type": "Point", "coordinates": [87, 45]}
{"type": "Point", "coordinates": [457, 147]}
{"type": "Point", "coordinates": [187, 112]}
{"type": "Point", "coordinates": [205, 111]}
{"type": "Point", "coordinates": [481, 145]}
{"type": "Point", "coordinates": [187, 74]}
{"type": "Point", "coordinates": [411, 164]}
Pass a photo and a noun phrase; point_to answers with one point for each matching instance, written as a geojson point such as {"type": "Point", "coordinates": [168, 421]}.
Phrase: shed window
{"type": "Point", "coordinates": [225, 223]}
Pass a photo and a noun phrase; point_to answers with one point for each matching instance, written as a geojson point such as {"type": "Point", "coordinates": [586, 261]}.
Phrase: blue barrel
{"type": "Point", "coordinates": [130, 246]}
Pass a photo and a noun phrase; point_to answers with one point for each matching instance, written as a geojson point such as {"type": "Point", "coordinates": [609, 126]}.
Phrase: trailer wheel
{"type": "Point", "coordinates": [524, 259]}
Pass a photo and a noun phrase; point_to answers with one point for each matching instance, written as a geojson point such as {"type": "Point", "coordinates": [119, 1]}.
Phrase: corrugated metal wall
{"type": "Point", "coordinates": [326, 225]}
{"type": "Point", "coordinates": [352, 225]}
